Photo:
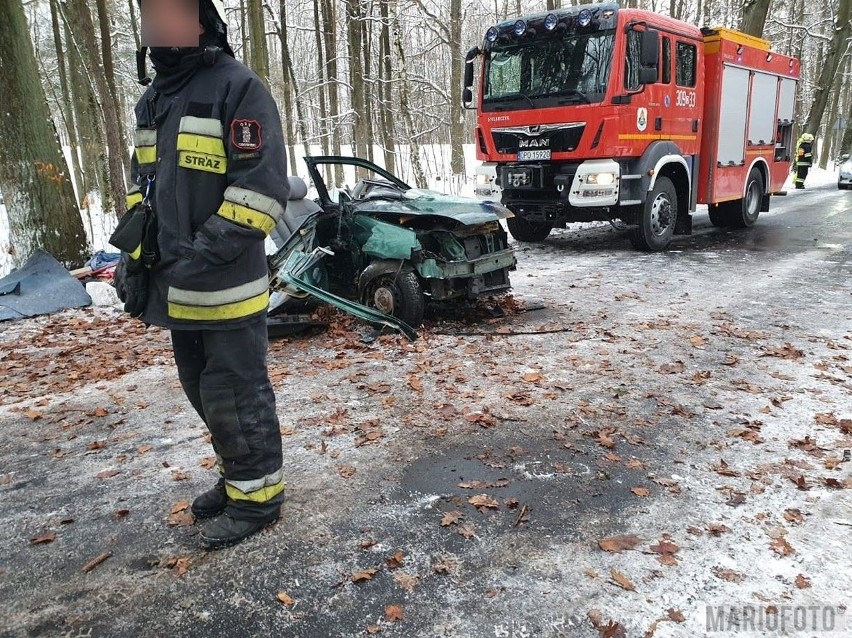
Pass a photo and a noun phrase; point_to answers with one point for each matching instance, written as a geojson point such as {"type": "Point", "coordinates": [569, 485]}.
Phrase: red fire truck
{"type": "Point", "coordinates": [601, 113]}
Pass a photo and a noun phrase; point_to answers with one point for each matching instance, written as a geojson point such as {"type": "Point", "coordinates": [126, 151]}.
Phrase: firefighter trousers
{"type": "Point", "coordinates": [801, 174]}
{"type": "Point", "coordinates": [225, 378]}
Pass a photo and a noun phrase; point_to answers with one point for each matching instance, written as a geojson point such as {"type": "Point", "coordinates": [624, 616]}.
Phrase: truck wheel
{"type": "Point", "coordinates": [744, 212]}
{"type": "Point", "coordinates": [524, 230]}
{"type": "Point", "coordinates": [720, 216]}
{"type": "Point", "coordinates": [657, 218]}
{"type": "Point", "coordinates": [400, 295]}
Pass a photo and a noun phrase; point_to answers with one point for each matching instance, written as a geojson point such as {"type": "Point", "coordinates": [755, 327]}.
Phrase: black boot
{"type": "Point", "coordinates": [212, 502]}
{"type": "Point", "coordinates": [226, 530]}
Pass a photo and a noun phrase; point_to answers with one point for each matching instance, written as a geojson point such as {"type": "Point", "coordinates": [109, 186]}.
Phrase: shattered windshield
{"type": "Point", "coordinates": [548, 71]}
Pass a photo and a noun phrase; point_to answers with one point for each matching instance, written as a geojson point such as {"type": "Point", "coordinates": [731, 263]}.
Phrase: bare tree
{"type": "Point", "coordinates": [38, 194]}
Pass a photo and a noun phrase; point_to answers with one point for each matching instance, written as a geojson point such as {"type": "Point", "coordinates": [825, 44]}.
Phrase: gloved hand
{"type": "Point", "coordinates": [131, 285]}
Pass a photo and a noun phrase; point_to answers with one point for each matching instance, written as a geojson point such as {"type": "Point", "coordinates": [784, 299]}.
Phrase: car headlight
{"type": "Point", "coordinates": [601, 179]}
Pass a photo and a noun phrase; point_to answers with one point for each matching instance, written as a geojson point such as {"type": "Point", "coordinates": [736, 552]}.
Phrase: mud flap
{"type": "Point", "coordinates": [370, 315]}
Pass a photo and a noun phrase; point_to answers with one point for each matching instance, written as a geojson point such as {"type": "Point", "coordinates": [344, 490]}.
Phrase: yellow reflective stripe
{"type": "Point", "coordinates": [250, 208]}
{"type": "Point", "coordinates": [247, 217]}
{"type": "Point", "coordinates": [219, 297]}
{"type": "Point", "coordinates": [257, 491]}
{"type": "Point", "coordinates": [201, 144]}
{"type": "Point", "coordinates": [133, 198]}
{"type": "Point", "coordinates": [136, 254]}
{"type": "Point", "coordinates": [146, 154]}
{"type": "Point", "coordinates": [209, 126]}
{"type": "Point", "coordinates": [203, 162]}
{"type": "Point", "coordinates": [222, 312]}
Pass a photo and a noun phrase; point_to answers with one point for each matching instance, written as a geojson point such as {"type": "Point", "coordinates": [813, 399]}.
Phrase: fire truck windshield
{"type": "Point", "coordinates": [548, 71]}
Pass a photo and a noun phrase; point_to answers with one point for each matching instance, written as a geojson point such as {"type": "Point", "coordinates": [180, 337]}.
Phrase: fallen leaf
{"type": "Point", "coordinates": [366, 574]}
{"type": "Point", "coordinates": [451, 518]}
{"type": "Point", "coordinates": [640, 491]}
{"type": "Point", "coordinates": [697, 341]}
{"type": "Point", "coordinates": [143, 449]}
{"type": "Point", "coordinates": [793, 516]}
{"type": "Point", "coordinates": [393, 613]}
{"type": "Point", "coordinates": [119, 514]}
{"type": "Point", "coordinates": [717, 529]}
{"type": "Point", "coordinates": [284, 599]}
{"type": "Point", "coordinates": [466, 530]}
{"type": "Point", "coordinates": [406, 581]}
{"type": "Point", "coordinates": [101, 412]}
{"type": "Point", "coordinates": [621, 580]}
{"type": "Point", "coordinates": [395, 561]}
{"type": "Point", "coordinates": [617, 544]}
{"type": "Point", "coordinates": [43, 538]}
{"type": "Point", "coordinates": [802, 581]}
{"type": "Point", "coordinates": [483, 502]}
{"type": "Point", "coordinates": [32, 414]}
{"type": "Point", "coordinates": [208, 462]}
{"type": "Point", "coordinates": [781, 547]}
{"type": "Point", "coordinates": [107, 474]}
{"type": "Point", "coordinates": [180, 475]}
{"type": "Point", "coordinates": [676, 615]}
{"type": "Point", "coordinates": [728, 574]}
{"type": "Point", "coordinates": [179, 507]}
{"type": "Point", "coordinates": [533, 377]}
{"type": "Point", "coordinates": [346, 471]}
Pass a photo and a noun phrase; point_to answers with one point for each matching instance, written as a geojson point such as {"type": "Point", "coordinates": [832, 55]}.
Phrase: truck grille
{"type": "Point", "coordinates": [563, 140]}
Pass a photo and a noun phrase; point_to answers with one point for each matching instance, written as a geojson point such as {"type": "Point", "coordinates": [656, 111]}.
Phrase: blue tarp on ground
{"type": "Point", "coordinates": [39, 287]}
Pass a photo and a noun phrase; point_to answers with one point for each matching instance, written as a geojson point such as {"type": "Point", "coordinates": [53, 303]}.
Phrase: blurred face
{"type": "Point", "coordinates": [170, 23]}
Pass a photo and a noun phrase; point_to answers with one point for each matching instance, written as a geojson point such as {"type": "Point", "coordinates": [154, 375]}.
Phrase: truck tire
{"type": "Point", "coordinates": [524, 230]}
{"type": "Point", "coordinates": [744, 212]}
{"type": "Point", "coordinates": [719, 216]}
{"type": "Point", "coordinates": [398, 294]}
{"type": "Point", "coordinates": [657, 218]}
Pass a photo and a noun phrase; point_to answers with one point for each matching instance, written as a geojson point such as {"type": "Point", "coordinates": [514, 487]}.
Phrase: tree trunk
{"type": "Point", "coordinates": [405, 105]}
{"type": "Point", "coordinates": [385, 89]}
{"type": "Point", "coordinates": [109, 65]}
{"type": "Point", "coordinates": [67, 110]}
{"type": "Point", "coordinates": [456, 112]}
{"type": "Point", "coordinates": [330, 37]}
{"type": "Point", "coordinates": [291, 93]}
{"type": "Point", "coordinates": [754, 17]}
{"type": "Point", "coordinates": [356, 77]}
{"type": "Point", "coordinates": [830, 64]}
{"type": "Point", "coordinates": [83, 39]}
{"type": "Point", "coordinates": [259, 56]}
{"type": "Point", "coordinates": [38, 194]}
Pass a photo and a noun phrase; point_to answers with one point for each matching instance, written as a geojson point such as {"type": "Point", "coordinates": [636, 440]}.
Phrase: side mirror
{"type": "Point", "coordinates": [469, 59]}
{"type": "Point", "coordinates": [650, 48]}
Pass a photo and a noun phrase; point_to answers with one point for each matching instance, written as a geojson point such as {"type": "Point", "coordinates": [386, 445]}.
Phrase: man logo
{"type": "Point", "coordinates": [540, 142]}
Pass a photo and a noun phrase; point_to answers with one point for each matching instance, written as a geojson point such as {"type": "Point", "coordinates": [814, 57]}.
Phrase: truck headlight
{"type": "Point", "coordinates": [601, 179]}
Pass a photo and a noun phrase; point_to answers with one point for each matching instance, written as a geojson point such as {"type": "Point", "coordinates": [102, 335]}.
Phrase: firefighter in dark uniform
{"type": "Point", "coordinates": [209, 167]}
{"type": "Point", "coordinates": [804, 159]}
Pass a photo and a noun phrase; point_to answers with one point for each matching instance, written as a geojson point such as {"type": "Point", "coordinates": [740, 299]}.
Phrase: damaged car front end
{"type": "Point", "coordinates": [385, 247]}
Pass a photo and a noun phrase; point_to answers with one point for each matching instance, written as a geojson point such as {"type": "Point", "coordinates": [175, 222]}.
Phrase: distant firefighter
{"type": "Point", "coordinates": [804, 159]}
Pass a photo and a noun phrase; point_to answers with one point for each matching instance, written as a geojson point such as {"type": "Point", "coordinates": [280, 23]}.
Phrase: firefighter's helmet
{"type": "Point", "coordinates": [807, 137]}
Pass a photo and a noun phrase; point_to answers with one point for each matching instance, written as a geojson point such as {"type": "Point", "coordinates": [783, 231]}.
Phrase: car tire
{"type": "Point", "coordinates": [657, 218]}
{"type": "Point", "coordinates": [745, 211]}
{"type": "Point", "coordinates": [527, 231]}
{"type": "Point", "coordinates": [398, 294]}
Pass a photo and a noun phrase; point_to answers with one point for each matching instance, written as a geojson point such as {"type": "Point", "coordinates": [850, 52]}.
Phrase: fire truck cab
{"type": "Point", "coordinates": [601, 113]}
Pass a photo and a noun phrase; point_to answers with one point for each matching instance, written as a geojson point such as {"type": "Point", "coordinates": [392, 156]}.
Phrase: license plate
{"type": "Point", "coordinates": [533, 156]}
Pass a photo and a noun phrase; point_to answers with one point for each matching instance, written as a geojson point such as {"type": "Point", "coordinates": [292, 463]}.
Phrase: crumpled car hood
{"type": "Point", "coordinates": [465, 210]}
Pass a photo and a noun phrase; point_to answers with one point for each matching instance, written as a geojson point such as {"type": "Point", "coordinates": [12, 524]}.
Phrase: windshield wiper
{"type": "Point", "coordinates": [571, 95]}
{"type": "Point", "coordinates": [513, 98]}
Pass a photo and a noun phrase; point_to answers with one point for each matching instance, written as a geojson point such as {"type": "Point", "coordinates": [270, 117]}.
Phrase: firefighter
{"type": "Point", "coordinates": [209, 170]}
{"type": "Point", "coordinates": [804, 159]}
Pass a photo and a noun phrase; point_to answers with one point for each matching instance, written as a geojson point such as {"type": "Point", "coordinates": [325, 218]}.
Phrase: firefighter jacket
{"type": "Point", "coordinates": [210, 154]}
{"type": "Point", "coordinates": [805, 151]}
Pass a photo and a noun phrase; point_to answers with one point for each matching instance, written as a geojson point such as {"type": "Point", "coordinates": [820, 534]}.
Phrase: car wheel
{"type": "Point", "coordinates": [398, 294]}
{"type": "Point", "coordinates": [524, 230]}
{"type": "Point", "coordinates": [744, 212]}
{"type": "Point", "coordinates": [657, 218]}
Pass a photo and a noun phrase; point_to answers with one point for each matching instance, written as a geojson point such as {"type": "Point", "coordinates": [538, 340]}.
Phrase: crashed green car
{"type": "Point", "coordinates": [380, 249]}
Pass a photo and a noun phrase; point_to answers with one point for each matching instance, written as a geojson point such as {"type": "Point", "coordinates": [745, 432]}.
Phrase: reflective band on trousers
{"type": "Point", "coordinates": [259, 491]}
{"type": "Point", "coordinates": [219, 305]}
{"type": "Point", "coordinates": [145, 141]}
{"type": "Point", "coordinates": [250, 208]}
